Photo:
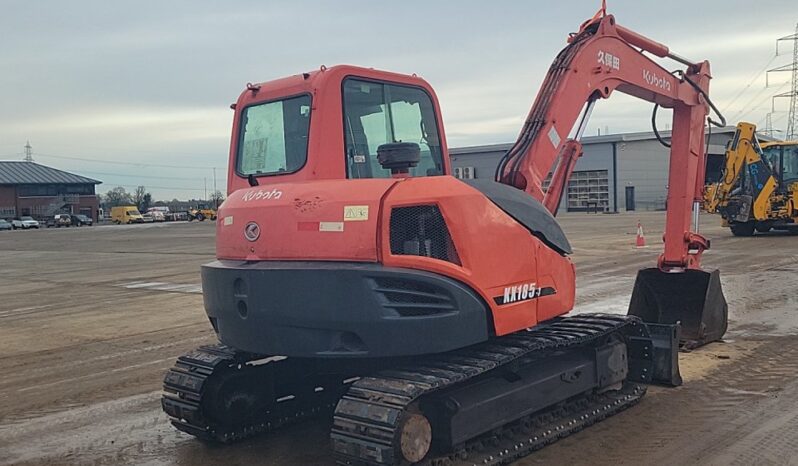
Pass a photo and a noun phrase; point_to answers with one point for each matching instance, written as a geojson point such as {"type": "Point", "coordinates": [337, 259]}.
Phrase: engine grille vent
{"type": "Point", "coordinates": [421, 231]}
{"type": "Point", "coordinates": [410, 298]}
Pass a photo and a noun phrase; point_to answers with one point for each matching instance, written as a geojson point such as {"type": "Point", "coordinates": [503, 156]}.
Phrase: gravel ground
{"type": "Point", "coordinates": [91, 318]}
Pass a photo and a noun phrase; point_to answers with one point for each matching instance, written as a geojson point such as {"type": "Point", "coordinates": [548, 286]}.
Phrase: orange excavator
{"type": "Point", "coordinates": [353, 271]}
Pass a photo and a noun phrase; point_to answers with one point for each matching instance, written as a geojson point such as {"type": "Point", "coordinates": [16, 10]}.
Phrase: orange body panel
{"type": "Point", "coordinates": [496, 252]}
{"type": "Point", "coordinates": [302, 221]}
{"type": "Point", "coordinates": [306, 221]}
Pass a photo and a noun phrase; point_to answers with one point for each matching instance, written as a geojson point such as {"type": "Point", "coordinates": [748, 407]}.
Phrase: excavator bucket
{"type": "Point", "coordinates": [693, 298]}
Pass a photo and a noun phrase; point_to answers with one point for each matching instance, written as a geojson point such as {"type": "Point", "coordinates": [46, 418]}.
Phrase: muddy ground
{"type": "Point", "coordinates": [90, 318]}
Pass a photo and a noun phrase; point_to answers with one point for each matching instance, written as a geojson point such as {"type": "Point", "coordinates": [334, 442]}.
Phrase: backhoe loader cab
{"type": "Point", "coordinates": [783, 158]}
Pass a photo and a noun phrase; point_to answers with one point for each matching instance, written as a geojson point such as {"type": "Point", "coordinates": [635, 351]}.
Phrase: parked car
{"type": "Point", "coordinates": [157, 215]}
{"type": "Point", "coordinates": [80, 220]}
{"type": "Point", "coordinates": [59, 220]}
{"type": "Point", "coordinates": [176, 216]}
{"type": "Point", "coordinates": [147, 218]}
{"type": "Point", "coordinates": [25, 222]}
{"type": "Point", "coordinates": [4, 225]}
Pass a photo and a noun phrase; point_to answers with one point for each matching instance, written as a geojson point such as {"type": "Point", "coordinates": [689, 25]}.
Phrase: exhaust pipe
{"type": "Point", "coordinates": [693, 298]}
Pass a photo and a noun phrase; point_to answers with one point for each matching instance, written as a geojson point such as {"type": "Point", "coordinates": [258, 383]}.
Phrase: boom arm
{"type": "Point", "coordinates": [601, 58]}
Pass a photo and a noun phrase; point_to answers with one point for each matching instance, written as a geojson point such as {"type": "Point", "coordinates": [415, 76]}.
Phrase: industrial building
{"type": "Point", "coordinates": [617, 172]}
{"type": "Point", "coordinates": [28, 188]}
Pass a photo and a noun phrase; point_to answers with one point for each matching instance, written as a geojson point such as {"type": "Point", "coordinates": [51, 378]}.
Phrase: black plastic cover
{"type": "Point", "coordinates": [339, 309]}
{"type": "Point", "coordinates": [527, 211]}
{"type": "Point", "coordinates": [399, 155]}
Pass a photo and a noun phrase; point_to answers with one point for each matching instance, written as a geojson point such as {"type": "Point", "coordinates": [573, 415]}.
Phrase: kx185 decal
{"type": "Point", "coordinates": [523, 292]}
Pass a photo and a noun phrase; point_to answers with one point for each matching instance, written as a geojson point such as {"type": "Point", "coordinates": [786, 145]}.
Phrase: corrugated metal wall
{"type": "Point", "coordinates": [642, 164]}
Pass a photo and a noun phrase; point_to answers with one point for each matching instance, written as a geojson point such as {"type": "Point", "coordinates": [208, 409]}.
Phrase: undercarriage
{"type": "Point", "coordinates": [488, 403]}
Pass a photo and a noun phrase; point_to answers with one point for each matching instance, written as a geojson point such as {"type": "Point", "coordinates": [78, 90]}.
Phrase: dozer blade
{"type": "Point", "coordinates": [693, 298]}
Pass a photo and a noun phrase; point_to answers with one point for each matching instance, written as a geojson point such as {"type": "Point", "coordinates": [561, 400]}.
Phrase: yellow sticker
{"type": "Point", "coordinates": [356, 213]}
{"type": "Point", "coordinates": [228, 221]}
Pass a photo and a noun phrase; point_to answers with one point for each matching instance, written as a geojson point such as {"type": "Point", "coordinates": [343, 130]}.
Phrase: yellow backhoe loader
{"type": "Point", "coordinates": [758, 187]}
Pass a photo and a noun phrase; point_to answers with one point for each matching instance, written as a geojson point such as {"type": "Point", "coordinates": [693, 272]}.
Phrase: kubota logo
{"type": "Point", "coordinates": [654, 80]}
{"type": "Point", "coordinates": [253, 195]}
{"type": "Point", "coordinates": [252, 231]}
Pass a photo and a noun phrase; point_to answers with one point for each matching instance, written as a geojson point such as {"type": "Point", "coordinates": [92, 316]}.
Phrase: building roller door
{"type": "Point", "coordinates": [588, 190]}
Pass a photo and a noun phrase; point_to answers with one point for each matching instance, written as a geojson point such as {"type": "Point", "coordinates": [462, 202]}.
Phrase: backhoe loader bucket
{"type": "Point", "coordinates": [693, 298]}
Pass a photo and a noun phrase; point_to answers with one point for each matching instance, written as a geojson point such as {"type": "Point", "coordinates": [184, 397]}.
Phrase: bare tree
{"type": "Point", "coordinates": [118, 196]}
{"type": "Point", "coordinates": [138, 195]}
{"type": "Point", "coordinates": [217, 197]}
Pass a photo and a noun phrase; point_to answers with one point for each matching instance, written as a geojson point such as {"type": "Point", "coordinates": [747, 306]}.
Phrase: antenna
{"type": "Point", "coordinates": [28, 152]}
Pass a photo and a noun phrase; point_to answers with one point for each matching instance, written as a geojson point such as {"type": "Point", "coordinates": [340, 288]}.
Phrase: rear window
{"type": "Point", "coordinates": [274, 137]}
{"type": "Point", "coordinates": [377, 113]}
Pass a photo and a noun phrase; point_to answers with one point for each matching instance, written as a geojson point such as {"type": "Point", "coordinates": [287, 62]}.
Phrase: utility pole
{"type": "Point", "coordinates": [792, 112]}
{"type": "Point", "coordinates": [28, 152]}
{"type": "Point", "coordinates": [215, 198]}
{"type": "Point", "coordinates": [206, 189]}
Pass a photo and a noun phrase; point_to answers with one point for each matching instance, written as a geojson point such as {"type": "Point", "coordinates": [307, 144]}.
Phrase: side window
{"type": "Point", "coordinates": [378, 113]}
{"type": "Point", "coordinates": [790, 163]}
{"type": "Point", "coordinates": [274, 137]}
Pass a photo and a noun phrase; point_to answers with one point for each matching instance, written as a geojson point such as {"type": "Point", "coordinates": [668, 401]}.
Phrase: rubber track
{"type": "Point", "coordinates": [367, 418]}
{"type": "Point", "coordinates": [185, 385]}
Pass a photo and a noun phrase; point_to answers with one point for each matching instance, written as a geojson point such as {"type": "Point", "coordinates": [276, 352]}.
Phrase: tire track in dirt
{"type": "Point", "coordinates": [717, 410]}
{"type": "Point", "coordinates": [103, 433]}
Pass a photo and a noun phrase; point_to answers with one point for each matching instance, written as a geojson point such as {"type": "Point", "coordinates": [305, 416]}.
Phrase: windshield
{"type": "Point", "coordinates": [26, 218]}
{"type": "Point", "coordinates": [132, 212]}
{"type": "Point", "coordinates": [783, 159]}
{"type": "Point", "coordinates": [379, 113]}
{"type": "Point", "coordinates": [274, 137]}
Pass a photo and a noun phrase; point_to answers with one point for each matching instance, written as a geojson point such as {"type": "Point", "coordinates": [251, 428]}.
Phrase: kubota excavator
{"type": "Point", "coordinates": [354, 271]}
{"type": "Point", "coordinates": [758, 186]}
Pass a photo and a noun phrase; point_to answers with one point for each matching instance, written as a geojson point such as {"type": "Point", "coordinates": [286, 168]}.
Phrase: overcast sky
{"type": "Point", "coordinates": [150, 82]}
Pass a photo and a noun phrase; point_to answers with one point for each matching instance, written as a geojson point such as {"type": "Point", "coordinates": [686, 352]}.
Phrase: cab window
{"type": "Point", "coordinates": [379, 113]}
{"type": "Point", "coordinates": [274, 137]}
{"type": "Point", "coordinates": [790, 163]}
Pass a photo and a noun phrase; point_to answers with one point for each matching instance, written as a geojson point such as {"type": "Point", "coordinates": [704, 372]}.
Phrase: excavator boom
{"type": "Point", "coordinates": [599, 59]}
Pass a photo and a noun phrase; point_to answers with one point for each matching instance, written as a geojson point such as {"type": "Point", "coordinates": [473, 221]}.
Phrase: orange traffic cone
{"type": "Point", "coordinates": [640, 241]}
